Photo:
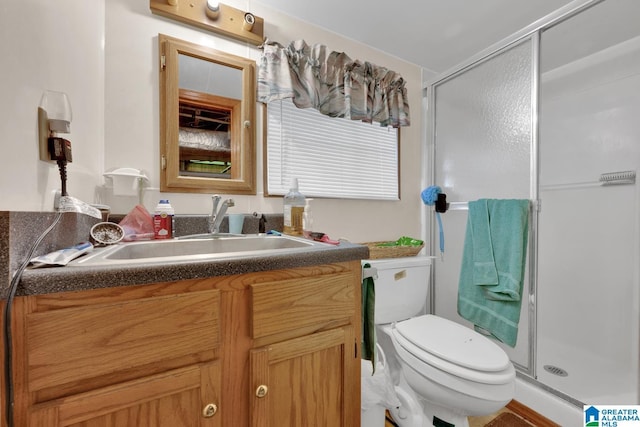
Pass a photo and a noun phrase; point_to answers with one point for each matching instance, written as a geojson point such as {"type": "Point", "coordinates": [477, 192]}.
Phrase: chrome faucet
{"type": "Point", "coordinates": [216, 217]}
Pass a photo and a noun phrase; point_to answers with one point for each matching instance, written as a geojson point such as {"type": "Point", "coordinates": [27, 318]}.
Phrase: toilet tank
{"type": "Point", "coordinates": [401, 287]}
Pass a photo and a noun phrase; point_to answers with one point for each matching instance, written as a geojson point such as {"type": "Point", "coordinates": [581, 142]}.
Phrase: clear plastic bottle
{"type": "Point", "coordinates": [163, 220]}
{"type": "Point", "coordinates": [307, 219]}
{"type": "Point", "coordinates": [293, 204]}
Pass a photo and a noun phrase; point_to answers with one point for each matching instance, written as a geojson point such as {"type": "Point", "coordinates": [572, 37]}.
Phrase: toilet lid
{"type": "Point", "coordinates": [454, 343]}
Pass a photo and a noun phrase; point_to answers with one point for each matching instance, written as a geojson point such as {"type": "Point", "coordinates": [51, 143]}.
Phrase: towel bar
{"type": "Point", "coordinates": [464, 206]}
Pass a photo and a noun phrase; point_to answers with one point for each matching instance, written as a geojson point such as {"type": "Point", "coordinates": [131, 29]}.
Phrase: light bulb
{"type": "Point", "coordinates": [213, 9]}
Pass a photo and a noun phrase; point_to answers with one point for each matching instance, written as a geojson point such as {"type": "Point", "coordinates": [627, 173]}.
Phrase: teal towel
{"type": "Point", "coordinates": [484, 265]}
{"type": "Point", "coordinates": [368, 320]}
{"type": "Point", "coordinates": [493, 266]}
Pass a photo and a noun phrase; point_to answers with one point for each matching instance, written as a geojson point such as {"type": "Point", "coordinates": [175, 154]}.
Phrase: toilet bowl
{"type": "Point", "coordinates": [457, 371]}
{"type": "Point", "coordinates": [446, 371]}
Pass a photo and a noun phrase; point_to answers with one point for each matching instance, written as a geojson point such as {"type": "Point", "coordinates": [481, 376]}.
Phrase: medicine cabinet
{"type": "Point", "coordinates": [207, 119]}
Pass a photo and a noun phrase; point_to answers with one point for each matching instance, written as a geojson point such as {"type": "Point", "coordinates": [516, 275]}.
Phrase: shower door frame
{"type": "Point", "coordinates": [531, 33]}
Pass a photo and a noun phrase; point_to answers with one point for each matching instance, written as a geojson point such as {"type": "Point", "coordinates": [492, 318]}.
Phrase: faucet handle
{"type": "Point", "coordinates": [215, 199]}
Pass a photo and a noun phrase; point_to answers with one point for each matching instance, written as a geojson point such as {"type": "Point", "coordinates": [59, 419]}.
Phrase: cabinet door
{"type": "Point", "coordinates": [308, 381]}
{"type": "Point", "coordinates": [178, 398]}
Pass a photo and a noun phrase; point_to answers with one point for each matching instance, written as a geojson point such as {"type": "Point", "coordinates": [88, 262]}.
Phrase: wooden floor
{"type": "Point", "coordinates": [483, 421]}
{"type": "Point", "coordinates": [476, 421]}
{"type": "Point", "coordinates": [527, 414]}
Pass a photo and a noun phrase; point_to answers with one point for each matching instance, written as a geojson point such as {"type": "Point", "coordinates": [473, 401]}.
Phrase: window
{"type": "Point", "coordinates": [331, 157]}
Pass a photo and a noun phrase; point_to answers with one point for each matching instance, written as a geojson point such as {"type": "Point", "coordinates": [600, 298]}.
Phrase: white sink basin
{"type": "Point", "coordinates": [176, 250]}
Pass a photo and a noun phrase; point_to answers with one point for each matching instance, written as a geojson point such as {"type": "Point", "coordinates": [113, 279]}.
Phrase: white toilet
{"type": "Point", "coordinates": [442, 371]}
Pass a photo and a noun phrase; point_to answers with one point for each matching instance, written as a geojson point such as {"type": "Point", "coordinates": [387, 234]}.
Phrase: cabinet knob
{"type": "Point", "coordinates": [210, 410]}
{"type": "Point", "coordinates": [261, 391]}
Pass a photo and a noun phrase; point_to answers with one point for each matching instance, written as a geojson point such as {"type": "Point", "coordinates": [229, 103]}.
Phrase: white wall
{"type": "Point", "coordinates": [104, 55]}
{"type": "Point", "coordinates": [50, 46]}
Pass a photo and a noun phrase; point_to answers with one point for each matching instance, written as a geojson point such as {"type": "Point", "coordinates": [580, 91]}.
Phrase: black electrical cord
{"type": "Point", "coordinates": [62, 167]}
{"type": "Point", "coordinates": [8, 346]}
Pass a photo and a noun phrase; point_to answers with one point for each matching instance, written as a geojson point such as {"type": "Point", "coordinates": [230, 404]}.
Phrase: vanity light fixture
{"type": "Point", "coordinates": [213, 16]}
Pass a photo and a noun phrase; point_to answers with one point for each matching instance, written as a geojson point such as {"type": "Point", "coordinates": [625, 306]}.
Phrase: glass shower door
{"type": "Point", "coordinates": [580, 71]}
{"type": "Point", "coordinates": [482, 144]}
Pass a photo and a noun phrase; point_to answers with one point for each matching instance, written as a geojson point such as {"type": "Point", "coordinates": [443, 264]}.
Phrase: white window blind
{"type": "Point", "coordinates": [331, 157]}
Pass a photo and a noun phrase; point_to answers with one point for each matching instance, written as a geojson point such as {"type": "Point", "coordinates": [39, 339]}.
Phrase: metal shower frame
{"type": "Point", "coordinates": [531, 33]}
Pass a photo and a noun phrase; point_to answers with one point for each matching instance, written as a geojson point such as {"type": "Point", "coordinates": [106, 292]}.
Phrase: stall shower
{"type": "Point", "coordinates": [552, 114]}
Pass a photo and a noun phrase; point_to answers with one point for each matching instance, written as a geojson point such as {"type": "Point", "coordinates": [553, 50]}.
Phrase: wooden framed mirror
{"type": "Point", "coordinates": [207, 119]}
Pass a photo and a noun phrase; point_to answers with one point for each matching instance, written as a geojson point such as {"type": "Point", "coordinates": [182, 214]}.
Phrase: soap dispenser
{"type": "Point", "coordinates": [293, 204]}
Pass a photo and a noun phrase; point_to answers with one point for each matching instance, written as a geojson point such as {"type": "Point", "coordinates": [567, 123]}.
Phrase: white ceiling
{"type": "Point", "coordinates": [435, 34]}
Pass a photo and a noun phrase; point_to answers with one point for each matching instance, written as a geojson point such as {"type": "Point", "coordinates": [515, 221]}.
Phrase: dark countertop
{"type": "Point", "coordinates": [65, 279]}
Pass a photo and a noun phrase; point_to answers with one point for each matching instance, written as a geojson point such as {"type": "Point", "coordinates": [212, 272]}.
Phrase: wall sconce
{"type": "Point", "coordinates": [213, 16]}
{"type": "Point", "coordinates": [54, 117]}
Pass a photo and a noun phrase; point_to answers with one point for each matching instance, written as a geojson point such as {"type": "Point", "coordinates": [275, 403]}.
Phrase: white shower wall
{"type": "Point", "coordinates": [588, 278]}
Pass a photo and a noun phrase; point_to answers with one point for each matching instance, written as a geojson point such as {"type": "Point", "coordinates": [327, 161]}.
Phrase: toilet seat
{"type": "Point", "coordinates": [454, 349]}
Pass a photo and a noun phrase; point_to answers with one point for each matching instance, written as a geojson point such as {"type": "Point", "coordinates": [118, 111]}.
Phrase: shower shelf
{"type": "Point", "coordinates": [606, 179]}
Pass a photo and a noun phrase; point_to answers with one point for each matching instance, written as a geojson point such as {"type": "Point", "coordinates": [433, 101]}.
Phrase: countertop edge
{"type": "Point", "coordinates": [69, 279]}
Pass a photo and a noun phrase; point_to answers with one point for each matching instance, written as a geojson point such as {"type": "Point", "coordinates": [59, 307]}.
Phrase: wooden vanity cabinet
{"type": "Point", "coordinates": [135, 356]}
{"type": "Point", "coordinates": [305, 360]}
{"type": "Point", "coordinates": [272, 348]}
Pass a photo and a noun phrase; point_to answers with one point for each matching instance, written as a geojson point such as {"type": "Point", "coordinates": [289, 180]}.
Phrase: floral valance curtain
{"type": "Point", "coordinates": [332, 83]}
